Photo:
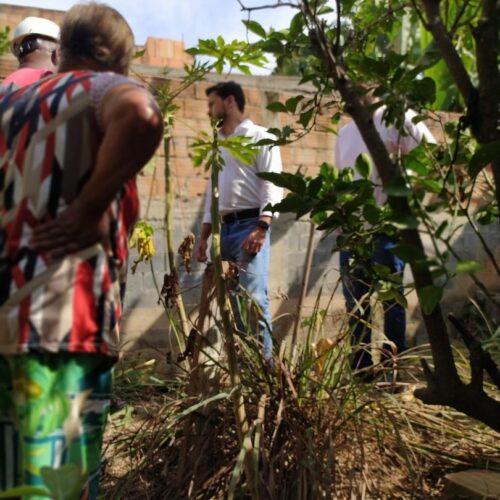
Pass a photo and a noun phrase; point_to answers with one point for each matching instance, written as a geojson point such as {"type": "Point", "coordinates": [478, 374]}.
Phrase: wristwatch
{"type": "Point", "coordinates": [262, 224]}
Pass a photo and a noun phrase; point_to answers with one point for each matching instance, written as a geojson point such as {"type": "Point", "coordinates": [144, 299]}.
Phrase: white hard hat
{"type": "Point", "coordinates": [34, 26]}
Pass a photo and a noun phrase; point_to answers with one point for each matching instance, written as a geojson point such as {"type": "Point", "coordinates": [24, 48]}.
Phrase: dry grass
{"type": "Point", "coordinates": [318, 436]}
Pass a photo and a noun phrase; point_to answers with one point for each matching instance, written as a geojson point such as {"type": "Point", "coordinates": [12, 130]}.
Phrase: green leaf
{"type": "Point", "coordinates": [331, 222]}
{"type": "Point", "coordinates": [430, 185]}
{"type": "Point", "coordinates": [296, 25]}
{"type": "Point", "coordinates": [291, 203]}
{"type": "Point", "coordinates": [374, 68]}
{"type": "Point", "coordinates": [328, 171]}
{"type": "Point", "coordinates": [416, 160]}
{"type": "Point", "coordinates": [293, 182]}
{"type": "Point", "coordinates": [363, 165]}
{"type": "Point", "coordinates": [255, 27]}
{"type": "Point", "coordinates": [429, 297]}
{"type": "Point", "coordinates": [244, 69]}
{"type": "Point", "coordinates": [65, 482]}
{"type": "Point", "coordinates": [393, 294]}
{"type": "Point", "coordinates": [324, 10]}
{"type": "Point", "coordinates": [483, 155]}
{"type": "Point", "coordinates": [139, 53]}
{"type": "Point", "coordinates": [305, 117]}
{"type": "Point", "coordinates": [265, 142]}
{"type": "Point", "coordinates": [403, 221]}
{"type": "Point", "coordinates": [314, 186]}
{"type": "Point", "coordinates": [440, 229]}
{"type": "Point", "coordinates": [408, 253]}
{"type": "Point", "coordinates": [423, 91]}
{"type": "Point", "coordinates": [273, 45]}
{"type": "Point", "coordinates": [335, 119]}
{"type": "Point", "coordinates": [277, 107]}
{"type": "Point", "coordinates": [398, 187]}
{"type": "Point", "coordinates": [468, 267]}
{"type": "Point", "coordinates": [291, 104]}
{"type": "Point", "coordinates": [372, 214]}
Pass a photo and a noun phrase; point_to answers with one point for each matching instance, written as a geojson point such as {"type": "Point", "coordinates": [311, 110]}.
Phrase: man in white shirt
{"type": "Point", "coordinates": [356, 286]}
{"type": "Point", "coordinates": [245, 232]}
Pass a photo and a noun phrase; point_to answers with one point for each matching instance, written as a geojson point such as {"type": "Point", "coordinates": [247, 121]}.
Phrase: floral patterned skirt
{"type": "Point", "coordinates": [53, 410]}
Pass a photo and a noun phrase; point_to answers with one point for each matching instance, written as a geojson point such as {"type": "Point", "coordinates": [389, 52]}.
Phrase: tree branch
{"type": "Point", "coordinates": [487, 39]}
{"type": "Point", "coordinates": [337, 36]}
{"type": "Point", "coordinates": [466, 399]}
{"type": "Point", "coordinates": [270, 6]}
{"type": "Point", "coordinates": [448, 51]}
{"type": "Point", "coordinates": [482, 359]}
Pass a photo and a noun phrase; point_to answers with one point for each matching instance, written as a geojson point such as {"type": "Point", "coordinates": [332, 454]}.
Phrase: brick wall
{"type": "Point", "coordinates": [289, 238]}
{"type": "Point", "coordinates": [11, 15]}
{"type": "Point", "coordinates": [158, 51]}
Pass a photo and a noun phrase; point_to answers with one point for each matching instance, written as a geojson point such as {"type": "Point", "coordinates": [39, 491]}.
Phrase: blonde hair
{"type": "Point", "coordinates": [98, 35]}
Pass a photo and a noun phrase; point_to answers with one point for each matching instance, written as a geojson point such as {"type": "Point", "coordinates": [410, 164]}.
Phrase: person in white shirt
{"type": "Point", "coordinates": [356, 286]}
{"type": "Point", "coordinates": [243, 197]}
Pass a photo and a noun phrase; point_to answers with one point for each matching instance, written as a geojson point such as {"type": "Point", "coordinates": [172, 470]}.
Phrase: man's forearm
{"type": "Point", "coordinates": [206, 231]}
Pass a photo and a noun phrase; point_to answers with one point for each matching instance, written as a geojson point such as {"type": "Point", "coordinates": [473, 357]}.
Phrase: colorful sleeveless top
{"type": "Point", "coordinates": [48, 147]}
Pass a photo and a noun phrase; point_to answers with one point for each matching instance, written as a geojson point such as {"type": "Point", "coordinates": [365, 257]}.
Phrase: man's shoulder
{"type": "Point", "coordinates": [249, 128]}
{"type": "Point", "coordinates": [348, 131]}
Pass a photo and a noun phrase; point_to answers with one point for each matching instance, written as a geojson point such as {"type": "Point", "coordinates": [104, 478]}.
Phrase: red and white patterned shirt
{"type": "Point", "coordinates": [48, 148]}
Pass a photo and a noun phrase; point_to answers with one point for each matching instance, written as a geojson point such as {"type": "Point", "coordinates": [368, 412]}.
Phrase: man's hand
{"type": "Point", "coordinates": [71, 231]}
{"type": "Point", "coordinates": [254, 242]}
{"type": "Point", "coordinates": [201, 251]}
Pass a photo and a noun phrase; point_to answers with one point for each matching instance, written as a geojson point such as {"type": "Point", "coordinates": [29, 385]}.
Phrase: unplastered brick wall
{"type": "Point", "coordinates": [11, 15]}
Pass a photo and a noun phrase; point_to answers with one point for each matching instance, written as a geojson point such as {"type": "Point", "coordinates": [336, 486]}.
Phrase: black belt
{"type": "Point", "coordinates": [242, 214]}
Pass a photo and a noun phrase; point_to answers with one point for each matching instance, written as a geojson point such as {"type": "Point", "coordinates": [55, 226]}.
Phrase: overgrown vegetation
{"type": "Point", "coordinates": [317, 433]}
{"type": "Point", "coordinates": [344, 54]}
{"type": "Point", "coordinates": [228, 427]}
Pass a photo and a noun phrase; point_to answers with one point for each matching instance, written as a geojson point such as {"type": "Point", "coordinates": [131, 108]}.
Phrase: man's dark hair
{"type": "Point", "coordinates": [225, 89]}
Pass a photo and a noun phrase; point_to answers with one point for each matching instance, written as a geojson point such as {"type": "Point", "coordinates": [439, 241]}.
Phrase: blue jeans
{"type": "Point", "coordinates": [253, 272]}
{"type": "Point", "coordinates": [355, 286]}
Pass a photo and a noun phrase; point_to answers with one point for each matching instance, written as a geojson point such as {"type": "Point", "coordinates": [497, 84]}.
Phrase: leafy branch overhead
{"type": "Point", "coordinates": [236, 54]}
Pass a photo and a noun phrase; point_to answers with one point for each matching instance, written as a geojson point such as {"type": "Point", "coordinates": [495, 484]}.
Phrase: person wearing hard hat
{"type": "Point", "coordinates": [34, 43]}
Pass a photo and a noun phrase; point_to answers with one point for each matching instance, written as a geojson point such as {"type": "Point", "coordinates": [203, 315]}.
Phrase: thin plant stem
{"type": "Point", "coordinates": [305, 282]}
{"type": "Point", "coordinates": [169, 234]}
{"type": "Point", "coordinates": [227, 323]}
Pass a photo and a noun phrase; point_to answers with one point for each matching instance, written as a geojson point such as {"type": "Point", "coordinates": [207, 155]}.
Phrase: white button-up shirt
{"type": "Point", "coordinates": [350, 144]}
{"type": "Point", "coordinates": [239, 186]}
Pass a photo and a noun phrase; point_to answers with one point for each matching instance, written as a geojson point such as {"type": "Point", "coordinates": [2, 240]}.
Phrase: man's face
{"type": "Point", "coordinates": [217, 107]}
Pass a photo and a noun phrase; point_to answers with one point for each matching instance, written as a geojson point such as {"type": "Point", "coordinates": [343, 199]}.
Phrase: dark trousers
{"type": "Point", "coordinates": [355, 286]}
